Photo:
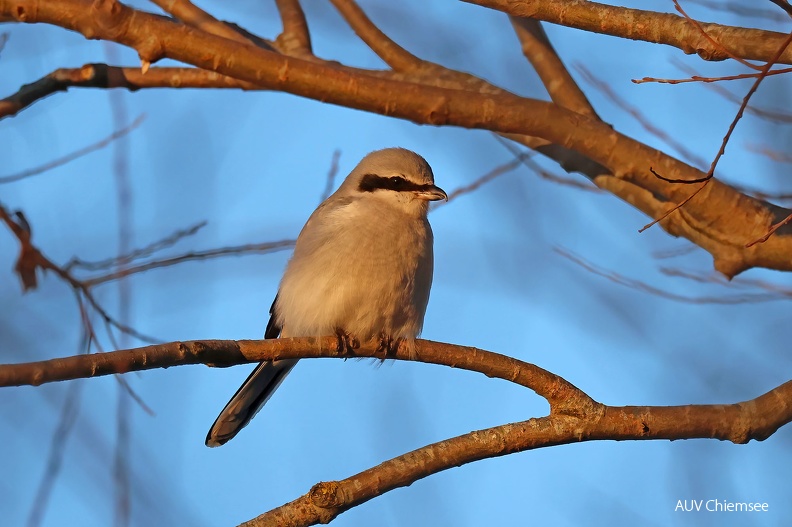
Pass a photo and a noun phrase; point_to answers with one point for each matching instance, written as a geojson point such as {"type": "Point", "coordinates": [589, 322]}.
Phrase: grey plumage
{"type": "Point", "coordinates": [362, 265]}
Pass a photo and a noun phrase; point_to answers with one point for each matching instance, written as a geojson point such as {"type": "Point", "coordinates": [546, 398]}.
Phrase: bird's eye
{"type": "Point", "coordinates": [397, 181]}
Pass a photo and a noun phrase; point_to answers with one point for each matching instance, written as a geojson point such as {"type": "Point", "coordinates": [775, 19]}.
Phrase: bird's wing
{"type": "Point", "coordinates": [253, 394]}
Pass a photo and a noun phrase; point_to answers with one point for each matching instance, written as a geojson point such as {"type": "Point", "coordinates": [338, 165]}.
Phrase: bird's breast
{"type": "Point", "coordinates": [359, 270]}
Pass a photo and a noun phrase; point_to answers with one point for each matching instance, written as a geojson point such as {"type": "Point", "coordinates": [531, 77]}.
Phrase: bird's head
{"type": "Point", "coordinates": [399, 177]}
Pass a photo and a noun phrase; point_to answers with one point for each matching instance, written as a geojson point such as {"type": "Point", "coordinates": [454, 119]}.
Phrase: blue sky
{"type": "Point", "coordinates": [254, 166]}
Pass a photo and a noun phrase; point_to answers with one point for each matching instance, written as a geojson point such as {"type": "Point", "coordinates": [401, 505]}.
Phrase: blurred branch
{"type": "Point", "coordinates": [74, 155]}
{"type": "Point", "coordinates": [136, 254]}
{"type": "Point", "coordinates": [237, 250]}
{"type": "Point", "coordinates": [30, 260]}
{"type": "Point", "coordinates": [331, 176]}
{"type": "Point", "coordinates": [483, 180]}
{"type": "Point", "coordinates": [574, 417]}
{"type": "Point", "coordinates": [637, 114]}
{"type": "Point", "coordinates": [722, 150]}
{"type": "Point", "coordinates": [776, 116]}
{"type": "Point", "coordinates": [638, 285]}
{"type": "Point", "coordinates": [650, 26]}
{"type": "Point", "coordinates": [783, 4]}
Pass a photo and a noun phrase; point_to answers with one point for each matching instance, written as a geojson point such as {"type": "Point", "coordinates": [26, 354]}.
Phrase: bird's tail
{"type": "Point", "coordinates": [248, 400]}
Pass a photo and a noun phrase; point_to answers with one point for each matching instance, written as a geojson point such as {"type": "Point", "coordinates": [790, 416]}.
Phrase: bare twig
{"type": "Point", "coordinates": [136, 254]}
{"type": "Point", "coordinates": [58, 443]}
{"type": "Point", "coordinates": [776, 116]}
{"type": "Point", "coordinates": [697, 78]}
{"type": "Point", "coordinates": [74, 155]}
{"type": "Point", "coordinates": [331, 175]}
{"type": "Point", "coordinates": [237, 250]}
{"type": "Point", "coordinates": [772, 230]}
{"type": "Point", "coordinates": [544, 174]}
{"type": "Point", "coordinates": [775, 155]}
{"type": "Point", "coordinates": [732, 126]}
{"type": "Point", "coordinates": [639, 116]}
{"type": "Point", "coordinates": [482, 180]}
{"type": "Point", "coordinates": [662, 293]}
{"type": "Point", "coordinates": [31, 259]}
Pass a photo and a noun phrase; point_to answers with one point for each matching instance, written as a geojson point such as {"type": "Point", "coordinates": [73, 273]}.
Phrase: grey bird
{"type": "Point", "coordinates": [361, 270]}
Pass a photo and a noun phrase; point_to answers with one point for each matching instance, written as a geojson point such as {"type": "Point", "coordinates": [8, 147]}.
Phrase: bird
{"type": "Point", "coordinates": [361, 270]}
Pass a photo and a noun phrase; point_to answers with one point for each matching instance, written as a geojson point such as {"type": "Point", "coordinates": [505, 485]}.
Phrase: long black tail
{"type": "Point", "coordinates": [248, 400]}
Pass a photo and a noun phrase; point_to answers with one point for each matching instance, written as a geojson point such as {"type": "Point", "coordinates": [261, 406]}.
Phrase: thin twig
{"type": "Point", "coordinates": [541, 172]}
{"type": "Point", "coordinates": [697, 78]}
{"type": "Point", "coordinates": [732, 126]}
{"type": "Point", "coordinates": [604, 88]}
{"type": "Point", "coordinates": [136, 254]}
{"type": "Point", "coordinates": [74, 155]}
{"type": "Point", "coordinates": [482, 180]}
{"type": "Point", "coordinates": [331, 175]}
{"type": "Point", "coordinates": [238, 250]}
{"type": "Point", "coordinates": [638, 285]}
{"type": "Point", "coordinates": [776, 116]}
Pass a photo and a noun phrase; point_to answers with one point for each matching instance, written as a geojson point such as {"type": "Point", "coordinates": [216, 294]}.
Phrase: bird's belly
{"type": "Point", "coordinates": [365, 295]}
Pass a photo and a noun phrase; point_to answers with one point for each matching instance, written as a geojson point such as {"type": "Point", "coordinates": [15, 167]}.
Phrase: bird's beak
{"type": "Point", "coordinates": [431, 193]}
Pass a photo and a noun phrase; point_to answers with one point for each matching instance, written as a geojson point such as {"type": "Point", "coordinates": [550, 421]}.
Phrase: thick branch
{"type": "Point", "coordinates": [720, 219]}
{"type": "Point", "coordinates": [574, 417]}
{"type": "Point", "coordinates": [649, 26]}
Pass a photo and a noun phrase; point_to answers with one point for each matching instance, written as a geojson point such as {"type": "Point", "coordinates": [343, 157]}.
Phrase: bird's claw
{"type": "Point", "coordinates": [347, 344]}
{"type": "Point", "coordinates": [388, 346]}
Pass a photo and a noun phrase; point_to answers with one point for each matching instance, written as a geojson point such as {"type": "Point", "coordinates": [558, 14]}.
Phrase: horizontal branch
{"type": "Point", "coordinates": [574, 416]}
{"type": "Point", "coordinates": [104, 76]}
{"type": "Point", "coordinates": [649, 26]}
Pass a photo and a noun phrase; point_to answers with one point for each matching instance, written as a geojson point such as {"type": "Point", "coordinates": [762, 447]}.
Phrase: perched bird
{"type": "Point", "coordinates": [361, 269]}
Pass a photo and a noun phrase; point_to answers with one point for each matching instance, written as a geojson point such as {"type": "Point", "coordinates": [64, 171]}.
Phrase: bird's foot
{"type": "Point", "coordinates": [388, 346]}
{"type": "Point", "coordinates": [347, 344]}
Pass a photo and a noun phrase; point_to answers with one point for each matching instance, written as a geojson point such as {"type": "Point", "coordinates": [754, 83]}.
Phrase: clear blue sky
{"type": "Point", "coordinates": [254, 166]}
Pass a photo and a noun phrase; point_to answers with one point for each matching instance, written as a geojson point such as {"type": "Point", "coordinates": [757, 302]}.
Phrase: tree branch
{"type": "Point", "coordinates": [104, 76]}
{"type": "Point", "coordinates": [649, 26]}
{"type": "Point", "coordinates": [295, 39]}
{"type": "Point", "coordinates": [560, 85]}
{"type": "Point", "coordinates": [574, 416]}
{"type": "Point", "coordinates": [720, 220]}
